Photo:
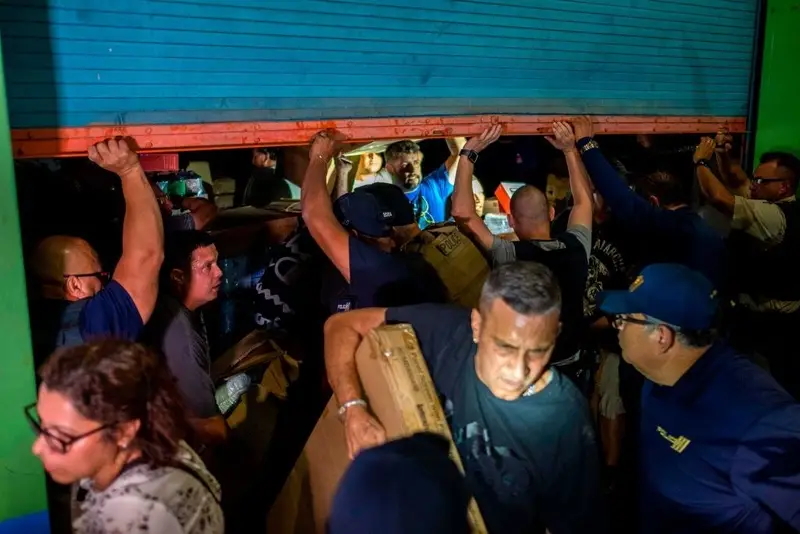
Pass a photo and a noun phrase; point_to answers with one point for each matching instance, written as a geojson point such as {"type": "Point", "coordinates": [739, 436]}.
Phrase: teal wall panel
{"type": "Point", "coordinates": [80, 62]}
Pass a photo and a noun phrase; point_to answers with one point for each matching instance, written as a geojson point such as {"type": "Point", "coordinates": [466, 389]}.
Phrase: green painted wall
{"type": "Point", "coordinates": [22, 488]}
{"type": "Point", "coordinates": [778, 107]}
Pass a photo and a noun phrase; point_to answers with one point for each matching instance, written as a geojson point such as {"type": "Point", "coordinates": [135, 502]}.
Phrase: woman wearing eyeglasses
{"type": "Point", "coordinates": [109, 421]}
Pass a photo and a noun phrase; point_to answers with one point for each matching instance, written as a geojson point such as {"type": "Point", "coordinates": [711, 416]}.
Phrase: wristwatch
{"type": "Point", "coordinates": [701, 163]}
{"type": "Point", "coordinates": [471, 154]}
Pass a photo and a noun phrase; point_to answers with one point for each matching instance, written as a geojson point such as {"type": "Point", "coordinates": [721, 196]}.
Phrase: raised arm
{"type": "Point", "coordinates": [564, 140]}
{"type": "Point", "coordinates": [463, 201]}
{"type": "Point", "coordinates": [343, 167]}
{"type": "Point", "coordinates": [628, 206]}
{"type": "Point", "coordinates": [712, 188]}
{"type": "Point", "coordinates": [317, 208]}
{"type": "Point", "coordinates": [454, 144]}
{"type": "Point", "coordinates": [343, 334]}
{"type": "Point", "coordinates": [142, 229]}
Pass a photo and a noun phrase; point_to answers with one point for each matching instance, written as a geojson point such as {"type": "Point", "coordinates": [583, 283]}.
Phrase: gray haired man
{"type": "Point", "coordinates": [523, 430]}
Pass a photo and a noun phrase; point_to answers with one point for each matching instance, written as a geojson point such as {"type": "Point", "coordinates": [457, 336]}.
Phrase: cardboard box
{"type": "Point", "coordinates": [458, 261]}
{"type": "Point", "coordinates": [401, 395]}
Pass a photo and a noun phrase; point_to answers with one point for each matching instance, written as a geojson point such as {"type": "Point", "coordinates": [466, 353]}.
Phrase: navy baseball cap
{"type": "Point", "coordinates": [406, 485]}
{"type": "Point", "coordinates": [374, 209]}
{"type": "Point", "coordinates": [669, 292]}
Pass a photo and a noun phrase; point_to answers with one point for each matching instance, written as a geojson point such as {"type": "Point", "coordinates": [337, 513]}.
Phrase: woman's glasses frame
{"type": "Point", "coordinates": [56, 443]}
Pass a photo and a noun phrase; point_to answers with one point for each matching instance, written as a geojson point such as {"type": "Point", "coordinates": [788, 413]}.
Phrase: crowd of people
{"type": "Point", "coordinates": [625, 365]}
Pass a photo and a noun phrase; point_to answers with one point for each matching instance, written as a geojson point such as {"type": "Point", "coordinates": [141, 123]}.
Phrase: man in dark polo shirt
{"type": "Point", "coordinates": [659, 214]}
{"type": "Point", "coordinates": [719, 438]}
{"type": "Point", "coordinates": [360, 235]}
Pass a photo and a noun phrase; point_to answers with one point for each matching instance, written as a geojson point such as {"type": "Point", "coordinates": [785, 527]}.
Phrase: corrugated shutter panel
{"type": "Point", "coordinates": [81, 62]}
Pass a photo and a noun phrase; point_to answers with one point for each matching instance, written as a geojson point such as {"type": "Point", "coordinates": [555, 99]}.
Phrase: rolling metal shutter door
{"type": "Point", "coordinates": [73, 63]}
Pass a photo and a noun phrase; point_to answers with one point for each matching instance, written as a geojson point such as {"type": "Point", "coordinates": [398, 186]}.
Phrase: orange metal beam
{"type": "Point", "coordinates": [67, 142]}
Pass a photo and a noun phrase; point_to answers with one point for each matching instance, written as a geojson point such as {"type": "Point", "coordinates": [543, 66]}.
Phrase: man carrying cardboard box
{"type": "Point", "coordinates": [523, 430]}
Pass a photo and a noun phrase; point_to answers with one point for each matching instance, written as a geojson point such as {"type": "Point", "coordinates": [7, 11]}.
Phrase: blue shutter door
{"type": "Point", "coordinates": [75, 63]}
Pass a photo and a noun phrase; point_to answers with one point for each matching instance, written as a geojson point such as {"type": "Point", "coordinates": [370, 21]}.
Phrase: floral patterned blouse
{"type": "Point", "coordinates": [161, 500]}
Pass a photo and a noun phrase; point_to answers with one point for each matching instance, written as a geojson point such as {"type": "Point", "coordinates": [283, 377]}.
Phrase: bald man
{"type": "Point", "coordinates": [79, 300]}
{"type": "Point", "coordinates": [567, 254]}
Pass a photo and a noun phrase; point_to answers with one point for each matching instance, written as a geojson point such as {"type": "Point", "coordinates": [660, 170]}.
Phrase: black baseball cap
{"type": "Point", "coordinates": [374, 209]}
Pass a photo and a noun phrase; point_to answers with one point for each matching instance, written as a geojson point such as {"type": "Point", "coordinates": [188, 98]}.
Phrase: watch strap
{"type": "Point", "coordinates": [587, 144]}
{"type": "Point", "coordinates": [471, 154]}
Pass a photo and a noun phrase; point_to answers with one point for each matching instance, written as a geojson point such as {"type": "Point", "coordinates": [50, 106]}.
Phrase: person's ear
{"type": "Point", "coordinates": [654, 201]}
{"type": "Point", "coordinates": [126, 433]}
{"type": "Point", "coordinates": [73, 287]}
{"type": "Point", "coordinates": [551, 212]}
{"type": "Point", "coordinates": [666, 338]}
{"type": "Point", "coordinates": [476, 321]}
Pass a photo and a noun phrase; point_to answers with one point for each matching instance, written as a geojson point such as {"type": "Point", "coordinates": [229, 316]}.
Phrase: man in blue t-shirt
{"type": "Point", "coordinates": [79, 302]}
{"type": "Point", "coordinates": [523, 430]}
{"type": "Point", "coordinates": [719, 438]}
{"type": "Point", "coordinates": [360, 235]}
{"type": "Point", "coordinates": [427, 195]}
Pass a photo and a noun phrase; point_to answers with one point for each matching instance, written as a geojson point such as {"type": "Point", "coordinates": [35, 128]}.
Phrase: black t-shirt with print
{"type": "Point", "coordinates": [531, 463]}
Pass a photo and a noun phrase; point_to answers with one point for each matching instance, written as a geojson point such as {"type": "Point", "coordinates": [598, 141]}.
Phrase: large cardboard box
{"type": "Point", "coordinates": [401, 395]}
{"type": "Point", "coordinates": [457, 260]}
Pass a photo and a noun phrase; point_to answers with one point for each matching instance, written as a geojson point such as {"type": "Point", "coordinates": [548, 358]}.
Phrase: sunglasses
{"type": "Point", "coordinates": [103, 276]}
{"type": "Point", "coordinates": [56, 443]}
{"type": "Point", "coordinates": [758, 181]}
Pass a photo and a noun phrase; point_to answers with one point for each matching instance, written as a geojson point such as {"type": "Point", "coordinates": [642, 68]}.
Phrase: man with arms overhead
{"type": "Point", "coordinates": [764, 241]}
{"type": "Point", "coordinates": [76, 306]}
{"type": "Point", "coordinates": [523, 430]}
{"type": "Point", "coordinates": [360, 235]}
{"type": "Point", "coordinates": [428, 195]}
{"type": "Point", "coordinates": [566, 254]}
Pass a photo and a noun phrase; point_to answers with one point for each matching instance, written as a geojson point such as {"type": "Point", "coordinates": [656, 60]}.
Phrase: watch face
{"type": "Point", "coordinates": [471, 154]}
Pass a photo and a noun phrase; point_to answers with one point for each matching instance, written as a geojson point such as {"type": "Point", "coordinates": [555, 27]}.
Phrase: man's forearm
{"type": "Point", "coordinates": [142, 229]}
{"type": "Point", "coordinates": [578, 179]}
{"type": "Point", "coordinates": [624, 202]}
{"type": "Point", "coordinates": [211, 430]}
{"type": "Point", "coordinates": [341, 185]}
{"type": "Point", "coordinates": [341, 345]}
{"type": "Point", "coordinates": [314, 194]}
{"type": "Point", "coordinates": [714, 191]}
{"type": "Point", "coordinates": [453, 162]}
{"type": "Point", "coordinates": [463, 200]}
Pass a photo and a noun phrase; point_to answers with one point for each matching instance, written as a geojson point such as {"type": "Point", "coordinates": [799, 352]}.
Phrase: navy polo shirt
{"type": "Point", "coordinates": [720, 450]}
{"type": "Point", "coordinates": [381, 279]}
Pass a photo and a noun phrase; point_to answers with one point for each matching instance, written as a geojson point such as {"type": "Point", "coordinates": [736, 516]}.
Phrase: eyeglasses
{"type": "Point", "coordinates": [57, 444]}
{"type": "Point", "coordinates": [619, 321]}
{"type": "Point", "coordinates": [103, 276]}
{"type": "Point", "coordinates": [758, 180]}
